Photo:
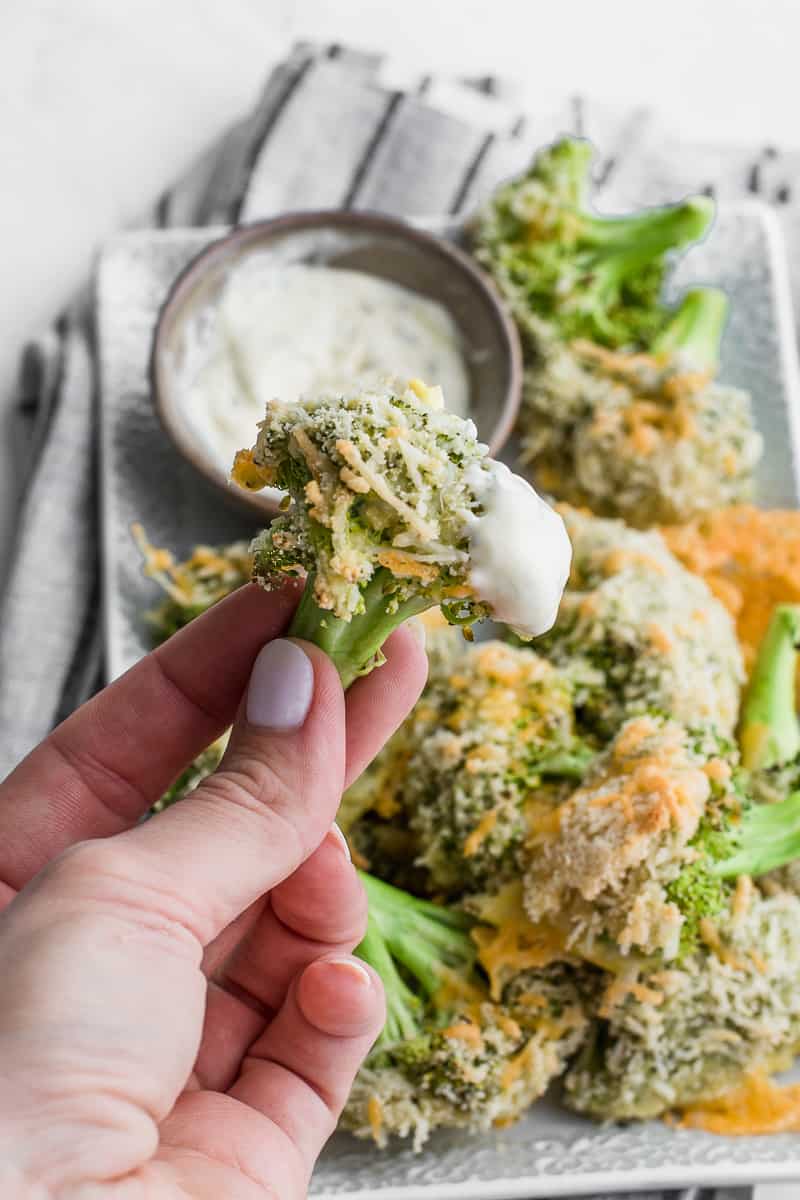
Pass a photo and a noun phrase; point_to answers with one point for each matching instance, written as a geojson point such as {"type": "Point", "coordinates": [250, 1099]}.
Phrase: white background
{"type": "Point", "coordinates": [102, 102]}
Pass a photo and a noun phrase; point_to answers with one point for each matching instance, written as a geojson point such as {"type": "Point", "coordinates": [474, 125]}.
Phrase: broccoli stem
{"type": "Point", "coordinates": [695, 330]}
{"type": "Point", "coordinates": [769, 733]}
{"type": "Point", "coordinates": [768, 838]}
{"type": "Point", "coordinates": [652, 232]}
{"type": "Point", "coordinates": [355, 645]}
{"type": "Point", "coordinates": [430, 942]}
{"type": "Point", "coordinates": [402, 1006]}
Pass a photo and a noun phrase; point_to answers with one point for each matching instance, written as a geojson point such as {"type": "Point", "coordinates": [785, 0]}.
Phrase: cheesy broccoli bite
{"type": "Point", "coordinates": [448, 1055]}
{"type": "Point", "coordinates": [691, 1033]}
{"type": "Point", "coordinates": [651, 437]}
{"type": "Point", "coordinates": [627, 867]}
{"type": "Point", "coordinates": [639, 633]}
{"type": "Point", "coordinates": [490, 744]}
{"type": "Point", "coordinates": [394, 507]}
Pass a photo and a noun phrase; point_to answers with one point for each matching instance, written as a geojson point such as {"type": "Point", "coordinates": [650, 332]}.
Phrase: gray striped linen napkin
{"type": "Point", "coordinates": [333, 128]}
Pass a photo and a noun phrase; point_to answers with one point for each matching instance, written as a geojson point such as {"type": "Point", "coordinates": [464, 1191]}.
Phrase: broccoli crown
{"type": "Point", "coordinates": [638, 633]}
{"type": "Point", "coordinates": [208, 575]}
{"type": "Point", "coordinates": [664, 1039]}
{"type": "Point", "coordinates": [491, 740]}
{"type": "Point", "coordinates": [590, 276]}
{"type": "Point", "coordinates": [379, 487]}
{"type": "Point", "coordinates": [447, 1055]}
{"type": "Point", "coordinates": [619, 869]}
{"type": "Point", "coordinates": [649, 437]}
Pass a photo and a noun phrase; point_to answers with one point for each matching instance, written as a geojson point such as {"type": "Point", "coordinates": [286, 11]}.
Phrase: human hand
{"type": "Point", "coordinates": [179, 1012]}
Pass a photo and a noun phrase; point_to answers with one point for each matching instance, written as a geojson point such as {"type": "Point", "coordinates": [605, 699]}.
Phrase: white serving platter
{"type": "Point", "coordinates": [549, 1153]}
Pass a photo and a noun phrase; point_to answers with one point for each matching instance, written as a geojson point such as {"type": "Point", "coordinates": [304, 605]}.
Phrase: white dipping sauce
{"type": "Point", "coordinates": [519, 549]}
{"type": "Point", "coordinates": [285, 331]}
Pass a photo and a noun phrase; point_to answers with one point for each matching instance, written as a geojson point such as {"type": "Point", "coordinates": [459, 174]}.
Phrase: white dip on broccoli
{"type": "Point", "coordinates": [519, 550]}
{"type": "Point", "coordinates": [285, 331]}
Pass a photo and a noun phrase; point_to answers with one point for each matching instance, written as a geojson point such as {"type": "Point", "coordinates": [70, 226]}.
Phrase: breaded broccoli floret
{"type": "Point", "coordinates": [651, 437]}
{"type": "Point", "coordinates": [679, 1035]}
{"type": "Point", "coordinates": [490, 744]}
{"type": "Point", "coordinates": [209, 574]}
{"type": "Point", "coordinates": [639, 633]}
{"type": "Point", "coordinates": [617, 870]}
{"type": "Point", "coordinates": [447, 1055]}
{"type": "Point", "coordinates": [586, 275]}
{"type": "Point", "coordinates": [389, 501]}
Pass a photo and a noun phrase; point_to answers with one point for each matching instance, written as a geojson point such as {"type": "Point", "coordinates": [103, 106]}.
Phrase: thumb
{"type": "Point", "coordinates": [266, 808]}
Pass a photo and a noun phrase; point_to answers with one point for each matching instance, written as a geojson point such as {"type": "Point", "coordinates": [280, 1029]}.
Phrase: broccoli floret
{"type": "Point", "coordinates": [448, 1056]}
{"type": "Point", "coordinates": [638, 633]}
{"type": "Point", "coordinates": [208, 575]}
{"type": "Point", "coordinates": [589, 276]}
{"type": "Point", "coordinates": [490, 744]}
{"type": "Point", "coordinates": [618, 869]}
{"type": "Point", "coordinates": [665, 1039]}
{"type": "Point", "coordinates": [389, 496]}
{"type": "Point", "coordinates": [649, 437]}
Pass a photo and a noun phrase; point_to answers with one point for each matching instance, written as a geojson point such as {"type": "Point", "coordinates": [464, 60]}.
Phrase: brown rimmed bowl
{"type": "Point", "coordinates": [356, 241]}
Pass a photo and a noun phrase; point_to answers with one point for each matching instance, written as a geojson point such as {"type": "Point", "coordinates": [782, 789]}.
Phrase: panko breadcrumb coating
{"type": "Point", "coordinates": [654, 440]}
{"type": "Point", "coordinates": [492, 736]}
{"type": "Point", "coordinates": [484, 1069]}
{"type": "Point", "coordinates": [691, 1032]}
{"type": "Point", "coordinates": [604, 872]}
{"type": "Point", "coordinates": [639, 633]}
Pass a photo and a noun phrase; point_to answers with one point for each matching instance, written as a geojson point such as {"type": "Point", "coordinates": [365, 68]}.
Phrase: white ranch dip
{"type": "Point", "coordinates": [285, 331]}
{"type": "Point", "coordinates": [520, 552]}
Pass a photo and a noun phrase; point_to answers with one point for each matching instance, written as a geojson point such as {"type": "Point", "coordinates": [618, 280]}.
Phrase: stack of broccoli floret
{"type": "Point", "coordinates": [621, 410]}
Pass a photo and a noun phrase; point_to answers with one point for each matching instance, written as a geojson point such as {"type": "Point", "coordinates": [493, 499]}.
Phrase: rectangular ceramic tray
{"type": "Point", "coordinates": [550, 1153]}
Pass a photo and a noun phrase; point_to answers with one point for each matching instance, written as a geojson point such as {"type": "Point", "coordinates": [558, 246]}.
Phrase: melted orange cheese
{"type": "Point", "coordinates": [750, 559]}
{"type": "Point", "coordinates": [757, 1106]}
{"type": "Point", "coordinates": [249, 476]}
{"type": "Point", "coordinates": [512, 942]}
{"type": "Point", "coordinates": [475, 840]}
{"type": "Point", "coordinates": [375, 1117]}
{"type": "Point", "coordinates": [465, 1031]}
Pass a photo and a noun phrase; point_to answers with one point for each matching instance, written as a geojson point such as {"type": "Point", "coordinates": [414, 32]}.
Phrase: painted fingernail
{"type": "Point", "coordinates": [338, 837]}
{"type": "Point", "coordinates": [351, 968]}
{"type": "Point", "coordinates": [281, 687]}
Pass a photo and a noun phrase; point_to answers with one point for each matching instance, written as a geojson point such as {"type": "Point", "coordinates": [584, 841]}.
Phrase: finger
{"type": "Point", "coordinates": [268, 806]}
{"type": "Point", "coordinates": [320, 909]}
{"type": "Point", "coordinates": [300, 1071]}
{"type": "Point", "coordinates": [103, 767]}
{"type": "Point", "coordinates": [378, 703]}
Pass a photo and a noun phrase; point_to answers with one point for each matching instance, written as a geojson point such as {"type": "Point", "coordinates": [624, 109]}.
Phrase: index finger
{"type": "Point", "coordinates": [100, 770]}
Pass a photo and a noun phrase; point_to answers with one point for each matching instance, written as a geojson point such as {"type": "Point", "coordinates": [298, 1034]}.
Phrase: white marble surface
{"type": "Point", "coordinates": [103, 103]}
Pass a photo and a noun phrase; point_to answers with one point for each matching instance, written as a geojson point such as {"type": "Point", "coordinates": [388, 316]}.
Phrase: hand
{"type": "Point", "coordinates": [180, 1015]}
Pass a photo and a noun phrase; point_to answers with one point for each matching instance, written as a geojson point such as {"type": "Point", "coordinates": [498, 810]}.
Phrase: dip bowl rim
{"type": "Point", "coordinates": [252, 235]}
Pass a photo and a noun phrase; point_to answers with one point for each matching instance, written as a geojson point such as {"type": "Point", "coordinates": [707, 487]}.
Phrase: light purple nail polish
{"type": "Point", "coordinates": [281, 687]}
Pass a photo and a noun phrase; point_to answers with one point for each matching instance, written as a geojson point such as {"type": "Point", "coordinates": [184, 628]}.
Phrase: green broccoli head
{"type": "Point", "coordinates": [652, 438]}
{"type": "Point", "coordinates": [662, 1040]}
{"type": "Point", "coordinates": [447, 1055]}
{"type": "Point", "coordinates": [624, 869]}
{"type": "Point", "coordinates": [391, 506]}
{"type": "Point", "coordinates": [191, 587]}
{"type": "Point", "coordinates": [588, 276]}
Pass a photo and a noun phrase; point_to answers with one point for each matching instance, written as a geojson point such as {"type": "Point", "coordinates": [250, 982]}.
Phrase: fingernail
{"type": "Point", "coordinates": [336, 835]}
{"type": "Point", "coordinates": [281, 687]}
{"type": "Point", "coordinates": [418, 629]}
{"type": "Point", "coordinates": [352, 968]}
